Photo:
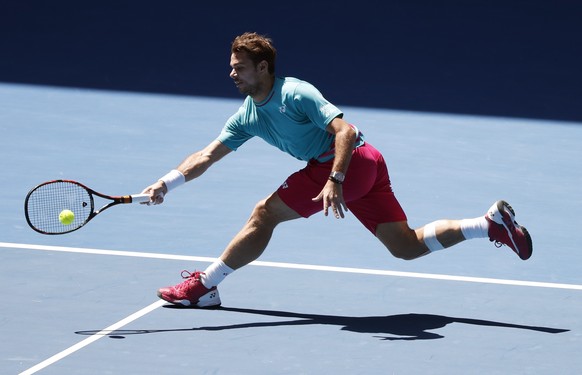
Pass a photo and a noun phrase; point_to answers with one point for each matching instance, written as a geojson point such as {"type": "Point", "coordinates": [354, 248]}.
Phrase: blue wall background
{"type": "Point", "coordinates": [501, 58]}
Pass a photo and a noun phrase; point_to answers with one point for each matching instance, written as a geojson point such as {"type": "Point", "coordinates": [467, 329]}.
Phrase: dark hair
{"type": "Point", "coordinates": [258, 47]}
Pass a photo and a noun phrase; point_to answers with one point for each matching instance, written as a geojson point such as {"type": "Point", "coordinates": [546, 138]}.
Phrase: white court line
{"type": "Point", "coordinates": [91, 339]}
{"type": "Point", "coordinates": [365, 271]}
{"type": "Point", "coordinates": [160, 303]}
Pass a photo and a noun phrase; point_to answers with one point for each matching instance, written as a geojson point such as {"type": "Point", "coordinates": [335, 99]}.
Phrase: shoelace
{"type": "Point", "coordinates": [188, 274]}
{"type": "Point", "coordinates": [189, 278]}
{"type": "Point", "coordinates": [497, 244]}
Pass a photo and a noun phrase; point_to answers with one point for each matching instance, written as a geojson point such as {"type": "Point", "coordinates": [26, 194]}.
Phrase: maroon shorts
{"type": "Point", "coordinates": [367, 190]}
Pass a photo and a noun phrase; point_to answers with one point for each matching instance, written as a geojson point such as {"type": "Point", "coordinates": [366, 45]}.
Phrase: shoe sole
{"type": "Point", "coordinates": [529, 242]}
{"type": "Point", "coordinates": [501, 206]}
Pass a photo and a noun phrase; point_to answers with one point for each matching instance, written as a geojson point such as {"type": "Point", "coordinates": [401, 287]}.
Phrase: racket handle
{"type": "Point", "coordinates": [140, 198]}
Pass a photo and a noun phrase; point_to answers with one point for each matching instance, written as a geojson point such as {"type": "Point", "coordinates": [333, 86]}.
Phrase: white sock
{"type": "Point", "coordinates": [215, 273]}
{"type": "Point", "coordinates": [475, 228]}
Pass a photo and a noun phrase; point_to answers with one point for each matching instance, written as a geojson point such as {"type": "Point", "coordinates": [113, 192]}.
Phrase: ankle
{"type": "Point", "coordinates": [475, 228]}
{"type": "Point", "coordinates": [215, 274]}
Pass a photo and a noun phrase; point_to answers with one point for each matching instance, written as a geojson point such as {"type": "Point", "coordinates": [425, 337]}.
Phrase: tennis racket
{"type": "Point", "coordinates": [45, 204]}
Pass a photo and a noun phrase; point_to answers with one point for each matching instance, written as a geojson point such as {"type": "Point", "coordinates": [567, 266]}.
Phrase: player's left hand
{"type": "Point", "coordinates": [332, 196]}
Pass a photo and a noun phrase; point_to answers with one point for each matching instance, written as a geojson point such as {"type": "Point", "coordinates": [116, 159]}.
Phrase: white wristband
{"type": "Point", "coordinates": [173, 179]}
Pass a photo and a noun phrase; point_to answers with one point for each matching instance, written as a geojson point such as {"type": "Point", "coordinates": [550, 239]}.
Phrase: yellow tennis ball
{"type": "Point", "coordinates": [66, 217]}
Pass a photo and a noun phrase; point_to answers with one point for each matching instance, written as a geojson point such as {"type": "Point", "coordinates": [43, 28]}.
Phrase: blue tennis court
{"type": "Point", "coordinates": [326, 297]}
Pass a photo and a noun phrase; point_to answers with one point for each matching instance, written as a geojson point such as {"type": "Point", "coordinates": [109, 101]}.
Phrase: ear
{"type": "Point", "coordinates": [263, 66]}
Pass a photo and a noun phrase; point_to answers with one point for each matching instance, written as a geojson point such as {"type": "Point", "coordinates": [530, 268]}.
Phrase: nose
{"type": "Point", "coordinates": [232, 73]}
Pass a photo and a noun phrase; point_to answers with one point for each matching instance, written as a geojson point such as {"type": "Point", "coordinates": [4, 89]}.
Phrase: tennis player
{"type": "Point", "coordinates": [343, 172]}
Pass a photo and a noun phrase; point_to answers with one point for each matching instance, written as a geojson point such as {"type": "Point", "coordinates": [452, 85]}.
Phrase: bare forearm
{"type": "Point", "coordinates": [192, 167]}
{"type": "Point", "coordinates": [195, 165]}
{"type": "Point", "coordinates": [331, 194]}
{"type": "Point", "coordinates": [344, 145]}
{"type": "Point", "coordinates": [199, 162]}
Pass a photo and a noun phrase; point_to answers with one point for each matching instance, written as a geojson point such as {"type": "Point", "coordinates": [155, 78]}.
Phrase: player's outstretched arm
{"type": "Point", "coordinates": [192, 167]}
{"type": "Point", "coordinates": [196, 164]}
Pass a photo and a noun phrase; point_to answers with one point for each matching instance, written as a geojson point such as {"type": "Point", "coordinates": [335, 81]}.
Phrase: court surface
{"type": "Point", "coordinates": [325, 297]}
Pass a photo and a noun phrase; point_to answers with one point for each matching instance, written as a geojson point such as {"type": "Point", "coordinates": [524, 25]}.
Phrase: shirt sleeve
{"type": "Point", "coordinates": [233, 134]}
{"type": "Point", "coordinates": [311, 102]}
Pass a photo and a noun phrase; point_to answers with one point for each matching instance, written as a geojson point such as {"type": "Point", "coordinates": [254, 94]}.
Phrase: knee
{"type": "Point", "coordinates": [407, 252]}
{"type": "Point", "coordinates": [402, 242]}
{"type": "Point", "coordinates": [260, 211]}
{"type": "Point", "coordinates": [263, 214]}
{"type": "Point", "coordinates": [271, 211]}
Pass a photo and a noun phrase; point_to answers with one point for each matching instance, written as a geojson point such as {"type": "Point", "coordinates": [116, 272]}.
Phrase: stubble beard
{"type": "Point", "coordinates": [249, 90]}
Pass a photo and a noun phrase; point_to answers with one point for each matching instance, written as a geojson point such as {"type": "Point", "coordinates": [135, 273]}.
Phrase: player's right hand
{"type": "Point", "coordinates": [157, 191]}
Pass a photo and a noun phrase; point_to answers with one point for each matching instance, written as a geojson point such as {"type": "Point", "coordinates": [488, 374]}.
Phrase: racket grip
{"type": "Point", "coordinates": [140, 198]}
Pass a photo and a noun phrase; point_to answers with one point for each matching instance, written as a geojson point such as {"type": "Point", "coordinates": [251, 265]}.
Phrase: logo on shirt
{"type": "Point", "coordinates": [282, 108]}
{"type": "Point", "coordinates": [284, 186]}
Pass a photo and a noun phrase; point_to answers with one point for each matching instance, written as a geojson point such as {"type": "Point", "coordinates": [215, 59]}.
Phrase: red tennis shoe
{"type": "Point", "coordinates": [191, 292]}
{"type": "Point", "coordinates": [504, 230]}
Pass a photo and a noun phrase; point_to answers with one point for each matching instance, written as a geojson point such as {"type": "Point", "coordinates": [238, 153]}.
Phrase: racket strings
{"type": "Point", "coordinates": [46, 202]}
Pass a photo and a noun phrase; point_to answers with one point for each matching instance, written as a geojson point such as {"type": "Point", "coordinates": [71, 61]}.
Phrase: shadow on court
{"type": "Point", "coordinates": [392, 327]}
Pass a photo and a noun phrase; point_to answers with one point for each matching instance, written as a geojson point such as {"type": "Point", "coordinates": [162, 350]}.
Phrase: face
{"type": "Point", "coordinates": [245, 74]}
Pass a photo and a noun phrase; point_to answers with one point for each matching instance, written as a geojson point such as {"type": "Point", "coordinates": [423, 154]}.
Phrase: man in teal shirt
{"type": "Point", "coordinates": [343, 172]}
{"type": "Point", "coordinates": [292, 118]}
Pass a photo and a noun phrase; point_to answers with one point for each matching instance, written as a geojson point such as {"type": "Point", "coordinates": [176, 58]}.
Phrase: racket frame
{"type": "Point", "coordinates": [115, 200]}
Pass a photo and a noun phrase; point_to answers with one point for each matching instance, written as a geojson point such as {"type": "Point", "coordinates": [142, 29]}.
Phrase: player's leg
{"type": "Point", "coordinates": [380, 212]}
{"type": "Point", "coordinates": [498, 225]}
{"type": "Point", "coordinates": [252, 240]}
{"type": "Point", "coordinates": [199, 288]}
{"type": "Point", "coordinates": [406, 243]}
